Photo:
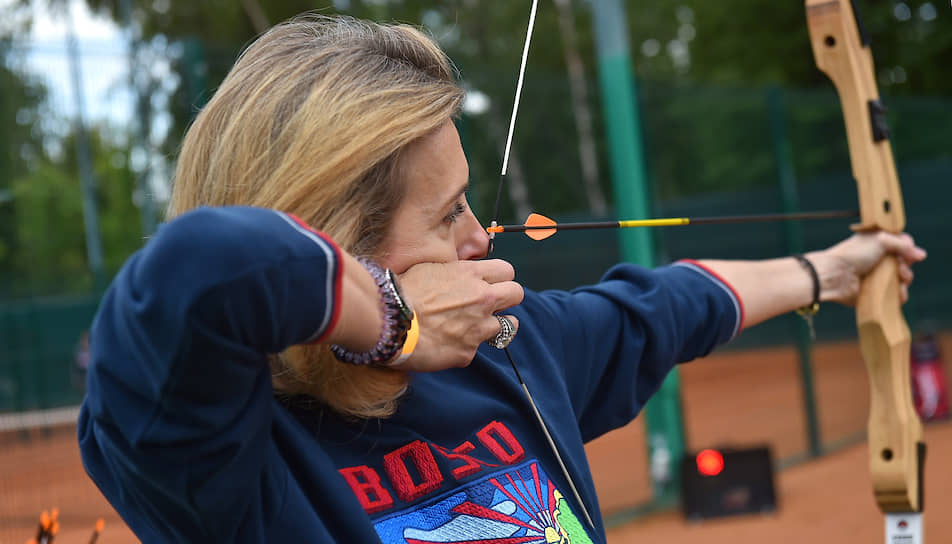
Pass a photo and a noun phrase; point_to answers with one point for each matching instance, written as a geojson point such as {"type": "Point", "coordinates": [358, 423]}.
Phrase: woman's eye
{"type": "Point", "coordinates": [455, 213]}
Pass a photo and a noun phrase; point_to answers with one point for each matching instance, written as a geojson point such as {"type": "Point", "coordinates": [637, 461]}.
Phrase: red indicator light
{"type": "Point", "coordinates": [710, 462]}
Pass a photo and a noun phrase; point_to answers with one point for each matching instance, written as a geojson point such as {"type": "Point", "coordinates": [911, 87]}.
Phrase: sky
{"type": "Point", "coordinates": [104, 71]}
{"type": "Point", "coordinates": [103, 66]}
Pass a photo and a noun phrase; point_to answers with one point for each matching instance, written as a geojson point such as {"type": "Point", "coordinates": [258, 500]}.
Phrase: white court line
{"type": "Point", "coordinates": [22, 421]}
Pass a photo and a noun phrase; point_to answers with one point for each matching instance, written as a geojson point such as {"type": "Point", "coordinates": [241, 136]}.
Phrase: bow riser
{"type": "Point", "coordinates": [894, 431]}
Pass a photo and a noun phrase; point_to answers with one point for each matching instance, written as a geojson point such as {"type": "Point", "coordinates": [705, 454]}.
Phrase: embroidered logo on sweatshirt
{"type": "Point", "coordinates": [517, 505]}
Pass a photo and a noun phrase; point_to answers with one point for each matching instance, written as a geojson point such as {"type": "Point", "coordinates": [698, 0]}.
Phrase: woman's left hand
{"type": "Point", "coordinates": [852, 259]}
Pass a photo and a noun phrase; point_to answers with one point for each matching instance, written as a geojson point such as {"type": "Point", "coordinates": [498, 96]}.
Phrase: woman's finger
{"type": "Point", "coordinates": [901, 245]}
{"type": "Point", "coordinates": [906, 274]}
{"type": "Point", "coordinates": [504, 331]}
{"type": "Point", "coordinates": [491, 270]}
{"type": "Point", "coordinates": [506, 294]}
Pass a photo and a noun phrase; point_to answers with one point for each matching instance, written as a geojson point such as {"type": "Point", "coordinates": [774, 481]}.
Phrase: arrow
{"type": "Point", "coordinates": [540, 227]}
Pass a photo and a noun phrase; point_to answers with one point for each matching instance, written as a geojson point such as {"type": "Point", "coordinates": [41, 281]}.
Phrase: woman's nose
{"type": "Point", "coordinates": [472, 240]}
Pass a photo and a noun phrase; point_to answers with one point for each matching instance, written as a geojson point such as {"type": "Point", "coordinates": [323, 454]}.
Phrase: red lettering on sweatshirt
{"type": "Point", "coordinates": [412, 470]}
{"type": "Point", "coordinates": [420, 456]}
{"type": "Point", "coordinates": [365, 483]}
{"type": "Point", "coordinates": [471, 464]}
{"type": "Point", "coordinates": [494, 436]}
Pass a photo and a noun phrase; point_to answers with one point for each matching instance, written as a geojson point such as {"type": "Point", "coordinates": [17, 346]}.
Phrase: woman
{"type": "Point", "coordinates": [217, 408]}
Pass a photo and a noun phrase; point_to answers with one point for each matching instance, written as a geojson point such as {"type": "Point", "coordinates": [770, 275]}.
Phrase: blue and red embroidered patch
{"type": "Point", "coordinates": [517, 505]}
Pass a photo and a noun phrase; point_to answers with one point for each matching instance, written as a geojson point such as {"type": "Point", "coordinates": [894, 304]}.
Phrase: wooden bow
{"type": "Point", "coordinates": [896, 447]}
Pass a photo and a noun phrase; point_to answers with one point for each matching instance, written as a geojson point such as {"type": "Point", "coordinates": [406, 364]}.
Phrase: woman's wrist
{"type": "Point", "coordinates": [397, 318]}
{"type": "Point", "coordinates": [830, 273]}
{"type": "Point", "coordinates": [358, 300]}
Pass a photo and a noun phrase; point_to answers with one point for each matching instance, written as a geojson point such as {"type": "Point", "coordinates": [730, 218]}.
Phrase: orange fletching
{"type": "Point", "coordinates": [100, 524]}
{"type": "Point", "coordinates": [537, 220]}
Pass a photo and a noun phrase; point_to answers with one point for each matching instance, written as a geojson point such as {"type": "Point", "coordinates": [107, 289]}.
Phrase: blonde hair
{"type": "Point", "coordinates": [312, 120]}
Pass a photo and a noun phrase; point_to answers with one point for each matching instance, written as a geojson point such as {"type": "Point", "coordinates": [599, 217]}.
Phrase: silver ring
{"type": "Point", "coordinates": [506, 333]}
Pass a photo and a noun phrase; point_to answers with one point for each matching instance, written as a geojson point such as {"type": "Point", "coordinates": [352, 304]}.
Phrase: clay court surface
{"type": "Point", "coordinates": [730, 399]}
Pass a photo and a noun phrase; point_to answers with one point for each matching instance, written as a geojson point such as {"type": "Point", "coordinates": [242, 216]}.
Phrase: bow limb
{"type": "Point", "coordinates": [896, 447]}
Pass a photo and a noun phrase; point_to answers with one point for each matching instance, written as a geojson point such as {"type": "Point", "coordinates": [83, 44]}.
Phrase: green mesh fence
{"type": "Point", "coordinates": [714, 151]}
{"type": "Point", "coordinates": [40, 361]}
{"type": "Point", "coordinates": [710, 150]}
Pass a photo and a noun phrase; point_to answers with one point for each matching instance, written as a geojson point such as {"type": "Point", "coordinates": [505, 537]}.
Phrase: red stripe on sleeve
{"type": "Point", "coordinates": [727, 284]}
{"type": "Point", "coordinates": [338, 276]}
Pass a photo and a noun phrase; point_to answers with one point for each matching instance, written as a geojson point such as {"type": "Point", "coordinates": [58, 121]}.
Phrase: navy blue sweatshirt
{"type": "Point", "coordinates": [182, 431]}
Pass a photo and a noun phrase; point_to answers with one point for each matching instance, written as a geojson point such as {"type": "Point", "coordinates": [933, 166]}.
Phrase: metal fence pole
{"type": "Point", "coordinates": [143, 111]}
{"type": "Point", "coordinates": [87, 178]}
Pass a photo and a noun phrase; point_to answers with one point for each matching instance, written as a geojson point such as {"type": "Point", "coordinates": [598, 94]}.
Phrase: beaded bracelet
{"type": "Point", "coordinates": [397, 317]}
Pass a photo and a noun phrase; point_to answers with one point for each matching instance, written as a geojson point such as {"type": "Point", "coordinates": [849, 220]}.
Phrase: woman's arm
{"type": "Point", "coordinates": [772, 287]}
{"type": "Point", "coordinates": [175, 425]}
{"type": "Point", "coordinates": [177, 416]}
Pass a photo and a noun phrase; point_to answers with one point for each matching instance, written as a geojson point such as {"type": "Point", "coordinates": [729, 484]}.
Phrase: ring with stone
{"type": "Point", "coordinates": [506, 333]}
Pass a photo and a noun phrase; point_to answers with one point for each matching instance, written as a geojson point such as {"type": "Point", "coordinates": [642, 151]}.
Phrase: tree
{"type": "Point", "coordinates": [677, 45]}
{"type": "Point", "coordinates": [20, 142]}
{"type": "Point", "coordinates": [50, 255]}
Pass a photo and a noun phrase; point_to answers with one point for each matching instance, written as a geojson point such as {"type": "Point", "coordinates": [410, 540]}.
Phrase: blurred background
{"type": "Point", "coordinates": [724, 113]}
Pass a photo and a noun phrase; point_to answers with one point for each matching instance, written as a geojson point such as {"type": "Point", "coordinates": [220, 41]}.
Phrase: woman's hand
{"type": "Point", "coordinates": [843, 266]}
{"type": "Point", "coordinates": [455, 305]}
{"type": "Point", "coordinates": [776, 286]}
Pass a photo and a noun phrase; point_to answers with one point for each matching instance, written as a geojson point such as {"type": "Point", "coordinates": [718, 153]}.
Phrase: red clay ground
{"type": "Point", "coordinates": [753, 398]}
{"type": "Point", "coordinates": [829, 500]}
{"type": "Point", "coordinates": [738, 399]}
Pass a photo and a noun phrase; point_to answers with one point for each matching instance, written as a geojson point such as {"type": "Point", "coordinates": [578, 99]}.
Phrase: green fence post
{"type": "Point", "coordinates": [87, 177]}
{"type": "Point", "coordinates": [794, 237]}
{"type": "Point", "coordinates": [665, 428]}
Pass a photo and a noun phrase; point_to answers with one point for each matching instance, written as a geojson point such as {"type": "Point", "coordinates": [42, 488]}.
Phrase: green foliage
{"type": "Point", "coordinates": [49, 231]}
{"type": "Point", "coordinates": [734, 44]}
{"type": "Point", "coordinates": [19, 109]}
{"type": "Point", "coordinates": [49, 235]}
{"type": "Point", "coordinates": [704, 111]}
{"type": "Point", "coordinates": [745, 42]}
{"type": "Point", "coordinates": [20, 143]}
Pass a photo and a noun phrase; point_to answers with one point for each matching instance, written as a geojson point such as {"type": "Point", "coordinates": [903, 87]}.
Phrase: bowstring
{"type": "Point", "coordinates": [512, 119]}
{"type": "Point", "coordinates": [492, 235]}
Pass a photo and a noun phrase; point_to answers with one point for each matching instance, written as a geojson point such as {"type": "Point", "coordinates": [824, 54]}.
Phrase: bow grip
{"type": "Point", "coordinates": [894, 433]}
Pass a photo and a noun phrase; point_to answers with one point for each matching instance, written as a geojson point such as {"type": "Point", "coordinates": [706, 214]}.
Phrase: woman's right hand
{"type": "Point", "coordinates": [455, 305]}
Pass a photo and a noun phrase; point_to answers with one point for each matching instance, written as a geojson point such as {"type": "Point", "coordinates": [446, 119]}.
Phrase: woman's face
{"type": "Point", "coordinates": [434, 222]}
